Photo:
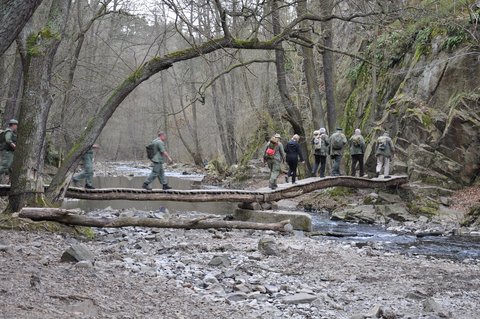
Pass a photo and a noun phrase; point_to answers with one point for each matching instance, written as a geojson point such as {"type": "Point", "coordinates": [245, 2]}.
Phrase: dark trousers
{"type": "Point", "coordinates": [357, 158]}
{"type": "Point", "coordinates": [322, 162]}
{"type": "Point", "coordinates": [337, 159]}
{"type": "Point", "coordinates": [292, 168]}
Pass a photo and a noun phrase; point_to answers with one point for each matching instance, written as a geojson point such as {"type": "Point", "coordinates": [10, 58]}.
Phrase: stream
{"type": "Point", "coordinates": [451, 247]}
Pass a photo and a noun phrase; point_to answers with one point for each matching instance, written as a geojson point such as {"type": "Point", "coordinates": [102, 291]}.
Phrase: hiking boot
{"type": "Point", "coordinates": [147, 187]}
{"type": "Point", "coordinates": [388, 176]}
{"type": "Point", "coordinates": [88, 186]}
{"type": "Point", "coordinates": [286, 179]}
{"type": "Point", "coordinates": [165, 187]}
{"type": "Point", "coordinates": [377, 174]}
{"type": "Point", "coordinates": [272, 186]}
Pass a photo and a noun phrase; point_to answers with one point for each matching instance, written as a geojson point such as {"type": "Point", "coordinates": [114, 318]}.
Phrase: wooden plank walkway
{"type": "Point", "coordinates": [229, 195]}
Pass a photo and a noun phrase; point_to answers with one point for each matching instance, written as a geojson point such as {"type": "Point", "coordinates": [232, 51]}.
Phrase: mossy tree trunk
{"type": "Point", "coordinates": [313, 85]}
{"type": "Point", "coordinates": [26, 178]}
{"type": "Point", "coordinates": [14, 14]}
{"type": "Point", "coordinates": [328, 65]}
{"type": "Point", "coordinates": [293, 115]}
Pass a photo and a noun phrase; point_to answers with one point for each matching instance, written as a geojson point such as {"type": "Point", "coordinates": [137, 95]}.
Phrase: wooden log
{"type": "Point", "coordinates": [71, 217]}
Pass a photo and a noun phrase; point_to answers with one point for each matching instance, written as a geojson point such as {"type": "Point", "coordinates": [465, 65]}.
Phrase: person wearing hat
{"type": "Point", "coordinates": [384, 151]}
{"type": "Point", "coordinates": [8, 143]}
{"type": "Point", "coordinates": [273, 156]}
{"type": "Point", "coordinates": [338, 140]}
{"type": "Point", "coordinates": [320, 144]}
{"type": "Point", "coordinates": [292, 151]}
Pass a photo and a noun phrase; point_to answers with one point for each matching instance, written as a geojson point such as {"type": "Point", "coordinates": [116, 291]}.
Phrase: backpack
{"type": "Point", "coordinates": [317, 143]}
{"type": "Point", "coordinates": [270, 151]}
{"type": "Point", "coordinates": [150, 150]}
{"type": "Point", "coordinates": [3, 144]}
{"type": "Point", "coordinates": [337, 142]}
{"type": "Point", "coordinates": [356, 140]}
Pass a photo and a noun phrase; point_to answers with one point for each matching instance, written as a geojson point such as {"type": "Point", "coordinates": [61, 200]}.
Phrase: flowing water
{"type": "Point", "coordinates": [453, 247]}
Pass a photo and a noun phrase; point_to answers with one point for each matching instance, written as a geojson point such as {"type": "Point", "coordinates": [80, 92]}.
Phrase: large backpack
{"type": "Point", "coordinates": [150, 150]}
{"type": "Point", "coordinates": [382, 144]}
{"type": "Point", "coordinates": [317, 143]}
{"type": "Point", "coordinates": [337, 141]}
{"type": "Point", "coordinates": [270, 151]}
{"type": "Point", "coordinates": [356, 140]}
{"type": "Point", "coordinates": [3, 144]}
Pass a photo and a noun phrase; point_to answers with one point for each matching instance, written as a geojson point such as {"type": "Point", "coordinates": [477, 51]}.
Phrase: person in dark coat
{"type": "Point", "coordinates": [292, 151]}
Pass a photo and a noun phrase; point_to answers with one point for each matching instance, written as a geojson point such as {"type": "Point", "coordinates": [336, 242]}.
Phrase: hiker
{"type": "Point", "coordinates": [357, 149]}
{"type": "Point", "coordinates": [158, 158]}
{"type": "Point", "coordinates": [8, 143]}
{"type": "Point", "coordinates": [320, 144]}
{"type": "Point", "coordinates": [338, 140]}
{"type": "Point", "coordinates": [292, 151]}
{"type": "Point", "coordinates": [87, 173]}
{"type": "Point", "coordinates": [384, 151]}
{"type": "Point", "coordinates": [273, 156]}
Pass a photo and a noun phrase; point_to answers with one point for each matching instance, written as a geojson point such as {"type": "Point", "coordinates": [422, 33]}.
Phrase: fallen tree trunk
{"type": "Point", "coordinates": [70, 217]}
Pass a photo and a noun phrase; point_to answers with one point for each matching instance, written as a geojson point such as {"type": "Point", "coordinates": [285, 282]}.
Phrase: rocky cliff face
{"type": "Point", "coordinates": [428, 98]}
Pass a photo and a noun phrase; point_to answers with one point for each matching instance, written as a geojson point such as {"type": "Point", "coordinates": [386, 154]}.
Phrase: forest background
{"type": "Point", "coordinates": [221, 76]}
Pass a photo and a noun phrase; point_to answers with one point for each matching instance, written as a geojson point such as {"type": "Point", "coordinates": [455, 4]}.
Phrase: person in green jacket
{"type": "Point", "coordinates": [87, 173]}
{"type": "Point", "coordinates": [357, 149]}
{"type": "Point", "coordinates": [384, 153]}
{"type": "Point", "coordinates": [160, 154]}
{"type": "Point", "coordinates": [7, 147]}
{"type": "Point", "coordinates": [273, 156]}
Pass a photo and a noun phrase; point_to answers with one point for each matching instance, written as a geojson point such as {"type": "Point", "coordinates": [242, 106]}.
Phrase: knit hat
{"type": "Point", "coordinates": [322, 130]}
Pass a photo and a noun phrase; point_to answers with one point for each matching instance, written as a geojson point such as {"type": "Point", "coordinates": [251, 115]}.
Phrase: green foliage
{"type": "Point", "coordinates": [339, 191]}
{"type": "Point", "coordinates": [456, 35]}
{"type": "Point", "coordinates": [422, 42]}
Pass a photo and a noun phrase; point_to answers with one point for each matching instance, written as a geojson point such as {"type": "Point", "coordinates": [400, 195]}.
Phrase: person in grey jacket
{"type": "Point", "coordinates": [338, 140]}
{"type": "Point", "coordinates": [357, 149]}
{"type": "Point", "coordinates": [384, 152]}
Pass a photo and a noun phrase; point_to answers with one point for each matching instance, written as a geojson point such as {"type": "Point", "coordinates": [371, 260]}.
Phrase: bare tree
{"type": "Point", "coordinates": [14, 14]}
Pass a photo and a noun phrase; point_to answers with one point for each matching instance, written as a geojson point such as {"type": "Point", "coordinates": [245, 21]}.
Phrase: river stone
{"type": "Point", "coordinates": [362, 214]}
{"type": "Point", "coordinates": [77, 252]}
{"type": "Point", "coordinates": [396, 212]}
{"type": "Point", "coordinates": [220, 261]}
{"type": "Point", "coordinates": [271, 289]}
{"type": "Point", "coordinates": [268, 246]}
{"type": "Point", "coordinates": [209, 280]}
{"type": "Point", "coordinates": [388, 198]}
{"type": "Point", "coordinates": [84, 264]}
{"type": "Point", "coordinates": [430, 305]}
{"type": "Point", "coordinates": [298, 299]}
{"type": "Point", "coordinates": [237, 296]}
{"type": "Point", "coordinates": [375, 312]}
{"type": "Point", "coordinates": [4, 248]}
{"type": "Point", "coordinates": [299, 220]}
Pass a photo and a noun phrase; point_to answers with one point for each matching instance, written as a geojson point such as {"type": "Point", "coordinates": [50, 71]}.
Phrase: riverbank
{"type": "Point", "coordinates": [168, 273]}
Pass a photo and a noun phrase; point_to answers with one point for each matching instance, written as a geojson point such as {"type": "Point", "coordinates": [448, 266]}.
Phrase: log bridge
{"type": "Point", "coordinates": [284, 191]}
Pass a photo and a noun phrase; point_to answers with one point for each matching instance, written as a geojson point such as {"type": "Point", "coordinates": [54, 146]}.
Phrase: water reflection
{"type": "Point", "coordinates": [177, 182]}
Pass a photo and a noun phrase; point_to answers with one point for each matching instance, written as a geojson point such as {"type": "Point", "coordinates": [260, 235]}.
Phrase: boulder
{"type": "Point", "coordinates": [76, 253]}
{"type": "Point", "coordinates": [268, 246]}
{"type": "Point", "coordinates": [298, 299]}
{"type": "Point", "coordinates": [361, 214]}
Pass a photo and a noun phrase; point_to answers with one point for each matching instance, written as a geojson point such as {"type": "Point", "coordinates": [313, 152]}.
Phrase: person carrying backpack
{"type": "Point", "coordinates": [158, 158]}
{"type": "Point", "coordinates": [357, 149]}
{"type": "Point", "coordinates": [320, 144]}
{"type": "Point", "coordinates": [292, 151]}
{"type": "Point", "coordinates": [338, 140]}
{"type": "Point", "coordinates": [87, 173]}
{"type": "Point", "coordinates": [273, 156]}
{"type": "Point", "coordinates": [8, 143]}
{"type": "Point", "coordinates": [384, 151]}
